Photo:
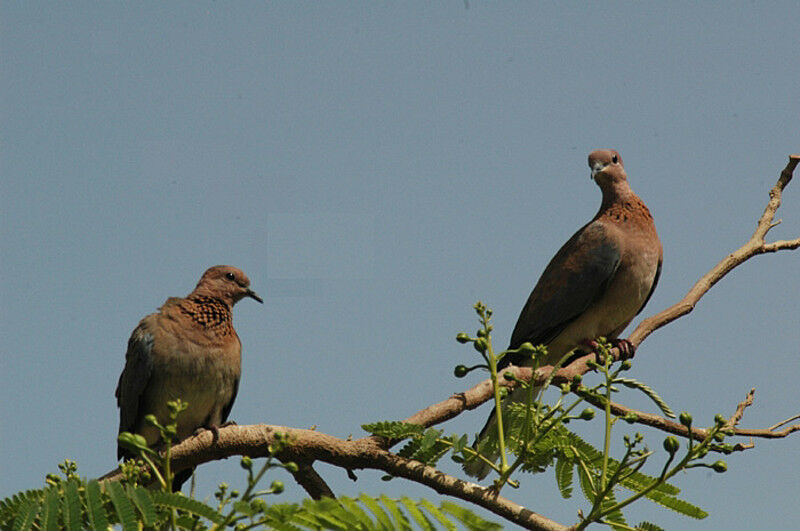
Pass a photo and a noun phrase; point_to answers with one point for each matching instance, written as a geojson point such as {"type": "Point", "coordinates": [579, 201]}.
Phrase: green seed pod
{"type": "Point", "coordinates": [685, 418]}
{"type": "Point", "coordinates": [720, 466]}
{"type": "Point", "coordinates": [671, 444]}
{"type": "Point", "coordinates": [626, 365]}
{"type": "Point", "coordinates": [277, 486]}
{"type": "Point", "coordinates": [479, 344]}
{"type": "Point", "coordinates": [481, 333]}
{"type": "Point", "coordinates": [246, 462]}
{"type": "Point", "coordinates": [463, 337]}
{"type": "Point", "coordinates": [291, 466]}
{"type": "Point", "coordinates": [587, 414]}
{"type": "Point", "coordinates": [460, 371]}
{"type": "Point", "coordinates": [719, 420]}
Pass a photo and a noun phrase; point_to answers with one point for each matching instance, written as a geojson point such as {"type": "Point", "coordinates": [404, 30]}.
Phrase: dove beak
{"type": "Point", "coordinates": [597, 167]}
{"type": "Point", "coordinates": [253, 295]}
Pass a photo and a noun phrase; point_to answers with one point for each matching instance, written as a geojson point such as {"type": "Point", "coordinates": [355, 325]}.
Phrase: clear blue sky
{"type": "Point", "coordinates": [376, 168]}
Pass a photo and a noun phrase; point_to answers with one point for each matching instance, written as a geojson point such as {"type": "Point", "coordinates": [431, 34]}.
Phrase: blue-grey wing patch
{"type": "Point", "coordinates": [133, 380]}
{"type": "Point", "coordinates": [577, 276]}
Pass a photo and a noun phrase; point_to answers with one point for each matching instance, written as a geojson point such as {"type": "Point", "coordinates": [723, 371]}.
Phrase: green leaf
{"type": "Point", "coordinates": [416, 514]}
{"type": "Point", "coordinates": [616, 516]}
{"type": "Point", "coordinates": [352, 506]}
{"type": "Point", "coordinates": [124, 507]}
{"type": "Point", "coordinates": [439, 515]}
{"type": "Point", "coordinates": [400, 519]}
{"type": "Point", "coordinates": [94, 506]}
{"type": "Point", "coordinates": [663, 495]}
{"type": "Point", "coordinates": [428, 440]}
{"type": "Point", "coordinates": [647, 526]}
{"type": "Point", "coordinates": [649, 391]}
{"type": "Point", "coordinates": [331, 514]}
{"type": "Point", "coordinates": [471, 521]}
{"type": "Point", "coordinates": [141, 497]}
{"type": "Point", "coordinates": [179, 501]}
{"type": "Point", "coordinates": [564, 476]}
{"type": "Point", "coordinates": [586, 481]}
{"type": "Point", "coordinates": [50, 514]}
{"type": "Point", "coordinates": [383, 519]}
{"type": "Point", "coordinates": [26, 515]}
{"type": "Point", "coordinates": [392, 429]}
{"type": "Point", "coordinates": [72, 507]}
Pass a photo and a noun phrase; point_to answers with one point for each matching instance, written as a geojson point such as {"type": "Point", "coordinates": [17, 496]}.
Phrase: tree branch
{"type": "Point", "coordinates": [754, 246]}
{"type": "Point", "coordinates": [307, 446]}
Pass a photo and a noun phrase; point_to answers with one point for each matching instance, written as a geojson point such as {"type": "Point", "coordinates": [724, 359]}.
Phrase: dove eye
{"type": "Point", "coordinates": [614, 159]}
{"type": "Point", "coordinates": [230, 276]}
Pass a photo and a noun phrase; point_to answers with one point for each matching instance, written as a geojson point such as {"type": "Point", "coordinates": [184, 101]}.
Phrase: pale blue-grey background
{"type": "Point", "coordinates": [376, 168]}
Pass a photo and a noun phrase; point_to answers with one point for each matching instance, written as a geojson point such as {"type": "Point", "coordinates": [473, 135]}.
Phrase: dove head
{"type": "Point", "coordinates": [608, 172]}
{"type": "Point", "coordinates": [226, 283]}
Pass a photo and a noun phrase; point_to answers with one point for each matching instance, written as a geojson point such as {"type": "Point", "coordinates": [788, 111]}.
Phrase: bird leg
{"type": "Point", "coordinates": [626, 349]}
{"type": "Point", "coordinates": [214, 429]}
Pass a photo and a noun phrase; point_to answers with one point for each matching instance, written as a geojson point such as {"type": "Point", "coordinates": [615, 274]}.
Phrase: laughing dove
{"type": "Point", "coordinates": [595, 284]}
{"type": "Point", "coordinates": [187, 350]}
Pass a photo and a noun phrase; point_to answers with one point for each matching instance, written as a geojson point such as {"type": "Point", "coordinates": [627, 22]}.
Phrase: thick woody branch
{"type": "Point", "coordinates": [312, 483]}
{"type": "Point", "coordinates": [307, 446]}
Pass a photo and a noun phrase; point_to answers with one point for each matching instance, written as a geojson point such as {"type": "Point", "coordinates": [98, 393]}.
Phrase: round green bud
{"type": "Point", "coordinates": [685, 418]}
{"type": "Point", "coordinates": [277, 486]}
{"type": "Point", "coordinates": [151, 419]}
{"type": "Point", "coordinates": [671, 444]}
{"type": "Point", "coordinates": [503, 392]}
{"type": "Point", "coordinates": [479, 344]}
{"type": "Point", "coordinates": [630, 418]}
{"type": "Point", "coordinates": [720, 466]}
{"type": "Point", "coordinates": [481, 333]}
{"type": "Point", "coordinates": [719, 420]}
{"type": "Point", "coordinates": [526, 347]}
{"type": "Point", "coordinates": [626, 365]}
{"type": "Point", "coordinates": [587, 414]}
{"type": "Point", "coordinates": [291, 466]}
{"type": "Point", "coordinates": [719, 436]}
{"type": "Point", "coordinates": [460, 371]}
{"type": "Point", "coordinates": [246, 462]}
{"type": "Point", "coordinates": [577, 379]}
{"type": "Point", "coordinates": [463, 337]}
